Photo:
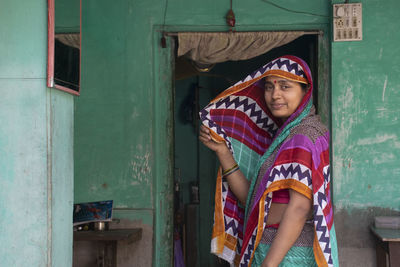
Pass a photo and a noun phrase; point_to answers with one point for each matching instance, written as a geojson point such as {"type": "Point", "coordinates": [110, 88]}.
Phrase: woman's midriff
{"type": "Point", "coordinates": [276, 212]}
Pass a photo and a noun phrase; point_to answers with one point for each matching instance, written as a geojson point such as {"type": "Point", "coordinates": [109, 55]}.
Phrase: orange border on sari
{"type": "Point", "coordinates": [318, 254]}
{"type": "Point", "coordinates": [218, 229]}
{"type": "Point", "coordinates": [278, 185]}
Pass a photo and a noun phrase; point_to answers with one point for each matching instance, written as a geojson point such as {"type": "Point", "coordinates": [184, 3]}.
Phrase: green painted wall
{"type": "Point", "coordinates": [365, 123]}
{"type": "Point", "coordinates": [60, 124]}
{"type": "Point", "coordinates": [36, 132]}
{"type": "Point", "coordinates": [123, 118]}
{"type": "Point", "coordinates": [67, 15]}
{"type": "Point", "coordinates": [365, 130]}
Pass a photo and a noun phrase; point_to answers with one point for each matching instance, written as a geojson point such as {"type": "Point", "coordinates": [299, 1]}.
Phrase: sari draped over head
{"type": "Point", "coordinates": [298, 151]}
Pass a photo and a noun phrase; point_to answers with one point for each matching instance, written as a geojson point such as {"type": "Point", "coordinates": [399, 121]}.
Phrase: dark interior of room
{"type": "Point", "coordinates": [195, 167]}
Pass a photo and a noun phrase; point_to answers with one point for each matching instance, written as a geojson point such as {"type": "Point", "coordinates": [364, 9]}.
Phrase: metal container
{"type": "Point", "coordinates": [100, 226]}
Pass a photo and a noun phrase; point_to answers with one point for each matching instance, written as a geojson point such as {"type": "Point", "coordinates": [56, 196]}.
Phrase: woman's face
{"type": "Point", "coordinates": [282, 96]}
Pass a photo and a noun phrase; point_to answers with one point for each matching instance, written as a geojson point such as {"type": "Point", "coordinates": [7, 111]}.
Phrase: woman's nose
{"type": "Point", "coordinates": [275, 93]}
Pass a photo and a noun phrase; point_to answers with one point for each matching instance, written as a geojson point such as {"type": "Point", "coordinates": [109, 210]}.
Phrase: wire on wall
{"type": "Point", "coordinates": [294, 11]}
{"type": "Point", "coordinates": [163, 40]}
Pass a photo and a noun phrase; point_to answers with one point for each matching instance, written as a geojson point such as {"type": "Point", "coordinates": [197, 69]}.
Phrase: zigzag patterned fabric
{"type": "Point", "coordinates": [300, 160]}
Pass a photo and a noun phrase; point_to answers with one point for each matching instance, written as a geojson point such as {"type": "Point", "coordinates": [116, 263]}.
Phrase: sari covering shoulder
{"type": "Point", "coordinates": [272, 156]}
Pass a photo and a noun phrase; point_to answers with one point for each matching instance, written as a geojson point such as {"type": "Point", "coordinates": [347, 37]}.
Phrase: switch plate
{"type": "Point", "coordinates": [347, 22]}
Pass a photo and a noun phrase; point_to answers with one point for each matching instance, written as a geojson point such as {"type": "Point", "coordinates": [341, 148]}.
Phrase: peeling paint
{"type": "Point", "coordinates": [378, 139]}
{"type": "Point", "coordinates": [341, 135]}
{"type": "Point", "coordinates": [381, 112]}
{"type": "Point", "coordinates": [346, 120]}
{"type": "Point", "coordinates": [384, 158]}
{"type": "Point", "coordinates": [135, 114]}
{"type": "Point", "coordinates": [140, 166]}
{"type": "Point", "coordinates": [354, 205]}
{"type": "Point", "coordinates": [94, 188]}
{"type": "Point", "coordinates": [384, 88]}
{"type": "Point", "coordinates": [364, 139]}
{"type": "Point", "coordinates": [347, 98]}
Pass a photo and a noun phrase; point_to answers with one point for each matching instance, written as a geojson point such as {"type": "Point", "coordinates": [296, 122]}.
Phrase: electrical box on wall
{"type": "Point", "coordinates": [347, 22]}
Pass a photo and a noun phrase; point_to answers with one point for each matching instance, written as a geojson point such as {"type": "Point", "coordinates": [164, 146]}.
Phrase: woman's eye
{"type": "Point", "coordinates": [269, 87]}
{"type": "Point", "coordinates": [285, 87]}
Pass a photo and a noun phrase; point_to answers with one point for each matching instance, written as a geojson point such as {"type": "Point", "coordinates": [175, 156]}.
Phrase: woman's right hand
{"type": "Point", "coordinates": [206, 139]}
{"type": "Point", "coordinates": [237, 181]}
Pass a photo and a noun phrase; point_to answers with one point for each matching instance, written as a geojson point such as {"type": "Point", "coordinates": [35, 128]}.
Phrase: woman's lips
{"type": "Point", "coordinates": [277, 106]}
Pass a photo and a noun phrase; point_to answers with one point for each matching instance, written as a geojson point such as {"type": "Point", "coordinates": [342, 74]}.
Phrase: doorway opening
{"type": "Point", "coordinates": [196, 166]}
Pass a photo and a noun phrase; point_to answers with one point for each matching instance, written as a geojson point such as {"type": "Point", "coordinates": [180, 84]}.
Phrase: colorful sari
{"type": "Point", "coordinates": [294, 155]}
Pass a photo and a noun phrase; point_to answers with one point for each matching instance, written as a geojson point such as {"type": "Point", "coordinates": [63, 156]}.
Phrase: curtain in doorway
{"type": "Point", "coordinates": [70, 39]}
{"type": "Point", "coordinates": [210, 48]}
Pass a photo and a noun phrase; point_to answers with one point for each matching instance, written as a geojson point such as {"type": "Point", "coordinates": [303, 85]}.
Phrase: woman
{"type": "Point", "coordinates": [274, 156]}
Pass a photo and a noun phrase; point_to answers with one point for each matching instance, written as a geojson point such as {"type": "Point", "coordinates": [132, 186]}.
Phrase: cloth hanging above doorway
{"type": "Point", "coordinates": [70, 39]}
{"type": "Point", "coordinates": [211, 48]}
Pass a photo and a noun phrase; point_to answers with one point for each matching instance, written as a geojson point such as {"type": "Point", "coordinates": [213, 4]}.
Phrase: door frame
{"type": "Point", "coordinates": [163, 123]}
